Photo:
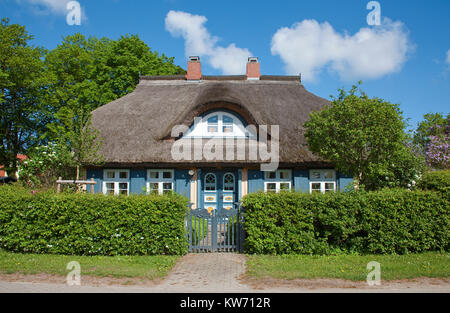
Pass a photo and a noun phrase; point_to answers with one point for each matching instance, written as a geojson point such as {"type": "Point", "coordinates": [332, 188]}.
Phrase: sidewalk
{"type": "Point", "coordinates": [221, 273]}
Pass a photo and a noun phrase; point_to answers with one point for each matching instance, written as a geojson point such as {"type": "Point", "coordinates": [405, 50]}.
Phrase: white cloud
{"type": "Point", "coordinates": [199, 42]}
{"type": "Point", "coordinates": [309, 47]}
{"type": "Point", "coordinates": [44, 6]}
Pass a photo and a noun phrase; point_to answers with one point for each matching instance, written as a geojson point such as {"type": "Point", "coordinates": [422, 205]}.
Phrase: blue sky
{"type": "Point", "coordinates": [405, 60]}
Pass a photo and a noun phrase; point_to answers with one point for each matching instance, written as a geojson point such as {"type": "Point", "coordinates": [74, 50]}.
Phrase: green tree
{"type": "Point", "coordinates": [23, 114]}
{"type": "Point", "coordinates": [365, 137]}
{"type": "Point", "coordinates": [433, 124]}
{"type": "Point", "coordinates": [89, 73]}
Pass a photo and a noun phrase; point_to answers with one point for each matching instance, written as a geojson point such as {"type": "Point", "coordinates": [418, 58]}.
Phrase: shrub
{"type": "Point", "coordinates": [86, 224]}
{"type": "Point", "coordinates": [383, 222]}
{"type": "Point", "coordinates": [438, 180]}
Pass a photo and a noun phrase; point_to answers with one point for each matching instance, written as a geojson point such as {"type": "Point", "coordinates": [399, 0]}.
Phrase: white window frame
{"type": "Point", "coordinates": [116, 180]}
{"type": "Point", "coordinates": [322, 180]}
{"type": "Point", "coordinates": [200, 128]}
{"type": "Point", "coordinates": [278, 180]}
{"type": "Point", "coordinates": [160, 180]}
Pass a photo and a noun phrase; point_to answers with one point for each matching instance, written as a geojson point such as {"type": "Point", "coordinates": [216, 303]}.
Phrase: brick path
{"type": "Point", "coordinates": [206, 272]}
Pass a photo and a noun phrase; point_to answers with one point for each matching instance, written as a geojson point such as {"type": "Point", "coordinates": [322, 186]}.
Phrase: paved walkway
{"type": "Point", "coordinates": [220, 272]}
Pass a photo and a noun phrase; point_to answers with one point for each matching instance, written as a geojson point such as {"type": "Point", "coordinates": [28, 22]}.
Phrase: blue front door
{"type": "Point", "coordinates": [219, 190]}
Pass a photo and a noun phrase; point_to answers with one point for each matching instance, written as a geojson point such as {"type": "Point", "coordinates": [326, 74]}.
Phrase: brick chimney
{"type": "Point", "coordinates": [253, 69]}
{"type": "Point", "coordinates": [194, 69]}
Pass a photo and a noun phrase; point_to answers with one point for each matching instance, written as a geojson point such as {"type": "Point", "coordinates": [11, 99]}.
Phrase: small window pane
{"type": "Point", "coordinates": [329, 174]}
{"type": "Point", "coordinates": [285, 175]}
{"type": "Point", "coordinates": [227, 120]}
{"type": "Point", "coordinates": [329, 187]}
{"type": "Point", "coordinates": [228, 129]}
{"type": "Point", "coordinates": [123, 175]}
{"type": "Point", "coordinates": [315, 187]}
{"type": "Point", "coordinates": [271, 187]}
{"type": "Point", "coordinates": [154, 175]}
{"type": "Point", "coordinates": [213, 120]}
{"type": "Point", "coordinates": [167, 175]}
{"type": "Point", "coordinates": [154, 188]}
{"type": "Point", "coordinates": [167, 186]}
{"type": "Point", "coordinates": [110, 188]}
{"type": "Point", "coordinates": [316, 175]}
{"type": "Point", "coordinates": [123, 186]}
{"type": "Point", "coordinates": [110, 174]}
{"type": "Point", "coordinates": [213, 129]}
{"type": "Point", "coordinates": [271, 175]}
{"type": "Point", "coordinates": [285, 186]}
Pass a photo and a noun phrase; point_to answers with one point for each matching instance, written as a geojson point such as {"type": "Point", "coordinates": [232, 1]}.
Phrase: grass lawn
{"type": "Point", "coordinates": [148, 267]}
{"type": "Point", "coordinates": [348, 266]}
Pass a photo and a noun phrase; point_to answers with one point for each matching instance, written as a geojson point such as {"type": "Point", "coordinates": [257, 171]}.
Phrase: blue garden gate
{"type": "Point", "coordinates": [215, 231]}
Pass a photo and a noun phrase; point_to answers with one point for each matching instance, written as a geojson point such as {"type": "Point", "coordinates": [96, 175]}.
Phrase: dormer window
{"type": "Point", "coordinates": [213, 124]}
{"type": "Point", "coordinates": [219, 124]}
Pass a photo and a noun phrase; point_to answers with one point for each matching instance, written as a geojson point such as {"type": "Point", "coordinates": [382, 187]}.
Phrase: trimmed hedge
{"type": "Point", "coordinates": [85, 224]}
{"type": "Point", "coordinates": [383, 222]}
{"type": "Point", "coordinates": [438, 180]}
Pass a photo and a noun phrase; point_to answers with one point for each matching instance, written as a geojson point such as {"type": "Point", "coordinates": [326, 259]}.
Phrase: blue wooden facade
{"type": "Point", "coordinates": [215, 195]}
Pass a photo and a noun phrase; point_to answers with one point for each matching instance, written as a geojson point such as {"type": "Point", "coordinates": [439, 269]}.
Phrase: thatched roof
{"type": "Point", "coordinates": [136, 129]}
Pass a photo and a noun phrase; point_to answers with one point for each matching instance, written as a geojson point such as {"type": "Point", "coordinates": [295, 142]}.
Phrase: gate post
{"type": "Point", "coordinates": [213, 231]}
{"type": "Point", "coordinates": [241, 231]}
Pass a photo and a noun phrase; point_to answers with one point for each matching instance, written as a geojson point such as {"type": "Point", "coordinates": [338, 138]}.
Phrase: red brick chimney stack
{"type": "Point", "coordinates": [194, 69]}
{"type": "Point", "coordinates": [253, 72]}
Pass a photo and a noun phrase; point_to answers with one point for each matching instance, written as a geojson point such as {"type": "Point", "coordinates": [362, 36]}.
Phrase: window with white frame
{"type": "Point", "coordinates": [116, 182]}
{"type": "Point", "coordinates": [220, 124]}
{"type": "Point", "coordinates": [160, 181]}
{"type": "Point", "coordinates": [322, 181]}
{"type": "Point", "coordinates": [277, 181]}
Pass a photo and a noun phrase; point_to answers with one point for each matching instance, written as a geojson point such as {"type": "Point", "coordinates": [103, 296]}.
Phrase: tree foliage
{"type": "Point", "coordinates": [365, 137]}
{"type": "Point", "coordinates": [433, 136]}
{"type": "Point", "coordinates": [22, 84]}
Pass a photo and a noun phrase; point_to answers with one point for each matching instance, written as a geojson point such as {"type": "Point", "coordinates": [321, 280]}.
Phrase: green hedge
{"type": "Point", "coordinates": [84, 224]}
{"type": "Point", "coordinates": [383, 222]}
{"type": "Point", "coordinates": [438, 180]}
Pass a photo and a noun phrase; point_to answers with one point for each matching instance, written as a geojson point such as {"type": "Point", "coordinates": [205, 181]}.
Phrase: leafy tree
{"type": "Point", "coordinates": [365, 137]}
{"type": "Point", "coordinates": [23, 114]}
{"type": "Point", "coordinates": [433, 124]}
{"type": "Point", "coordinates": [89, 73]}
{"type": "Point", "coordinates": [44, 165]}
{"type": "Point", "coordinates": [432, 136]}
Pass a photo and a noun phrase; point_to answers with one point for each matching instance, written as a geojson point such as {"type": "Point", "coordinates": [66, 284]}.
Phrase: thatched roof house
{"type": "Point", "coordinates": [204, 135]}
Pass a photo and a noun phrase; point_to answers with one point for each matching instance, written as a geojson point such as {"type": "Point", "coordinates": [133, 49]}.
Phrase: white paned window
{"type": "Point", "coordinates": [322, 181]}
{"type": "Point", "coordinates": [220, 124]}
{"type": "Point", "coordinates": [277, 181]}
{"type": "Point", "coordinates": [160, 181]}
{"type": "Point", "coordinates": [116, 182]}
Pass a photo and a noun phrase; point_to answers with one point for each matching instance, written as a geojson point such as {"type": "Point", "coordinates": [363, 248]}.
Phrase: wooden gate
{"type": "Point", "coordinates": [215, 231]}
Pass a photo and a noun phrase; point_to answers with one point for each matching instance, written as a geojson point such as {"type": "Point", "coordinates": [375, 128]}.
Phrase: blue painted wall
{"type": "Point", "coordinates": [344, 181]}
{"type": "Point", "coordinates": [97, 175]}
{"type": "Point", "coordinates": [138, 181]}
{"type": "Point", "coordinates": [255, 181]}
{"type": "Point", "coordinates": [301, 180]}
{"type": "Point", "coordinates": [182, 183]}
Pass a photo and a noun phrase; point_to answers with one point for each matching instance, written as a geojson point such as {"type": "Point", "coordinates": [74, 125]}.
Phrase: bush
{"type": "Point", "coordinates": [86, 224]}
{"type": "Point", "coordinates": [439, 181]}
{"type": "Point", "coordinates": [383, 222]}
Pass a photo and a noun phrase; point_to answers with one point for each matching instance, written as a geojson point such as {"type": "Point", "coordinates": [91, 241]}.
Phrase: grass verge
{"type": "Point", "coordinates": [147, 267]}
{"type": "Point", "coordinates": [349, 267]}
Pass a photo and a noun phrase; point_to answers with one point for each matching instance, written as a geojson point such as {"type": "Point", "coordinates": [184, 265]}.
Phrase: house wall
{"type": "Point", "coordinates": [249, 181]}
